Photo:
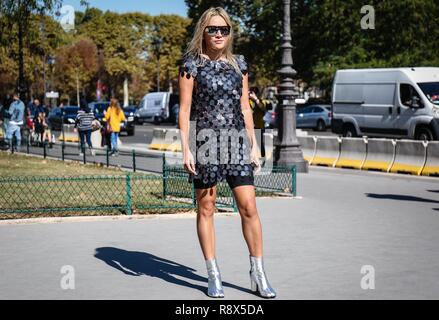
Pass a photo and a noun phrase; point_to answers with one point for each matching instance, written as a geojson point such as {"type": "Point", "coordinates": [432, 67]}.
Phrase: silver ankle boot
{"type": "Point", "coordinates": [215, 287]}
{"type": "Point", "coordinates": [258, 279]}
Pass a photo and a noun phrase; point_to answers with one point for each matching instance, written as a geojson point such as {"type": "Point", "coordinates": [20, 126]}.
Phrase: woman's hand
{"type": "Point", "coordinates": [253, 96]}
{"type": "Point", "coordinates": [188, 162]}
{"type": "Point", "coordinates": [254, 158]}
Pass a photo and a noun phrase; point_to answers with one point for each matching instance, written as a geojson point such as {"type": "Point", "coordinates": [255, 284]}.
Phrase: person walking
{"type": "Point", "coordinates": [84, 124]}
{"type": "Point", "coordinates": [4, 115]}
{"type": "Point", "coordinates": [41, 128]}
{"type": "Point", "coordinates": [217, 79]}
{"type": "Point", "coordinates": [16, 113]}
{"type": "Point", "coordinates": [258, 105]}
{"type": "Point", "coordinates": [114, 116]}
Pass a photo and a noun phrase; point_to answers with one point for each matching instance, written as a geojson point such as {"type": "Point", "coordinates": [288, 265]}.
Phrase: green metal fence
{"type": "Point", "coordinates": [275, 179]}
{"type": "Point", "coordinates": [123, 193]}
{"type": "Point", "coordinates": [126, 193]}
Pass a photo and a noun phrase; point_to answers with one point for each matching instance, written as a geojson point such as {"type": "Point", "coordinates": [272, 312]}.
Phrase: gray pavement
{"type": "Point", "coordinates": [314, 247]}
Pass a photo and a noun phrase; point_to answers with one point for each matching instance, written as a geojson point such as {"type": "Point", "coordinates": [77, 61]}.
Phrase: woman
{"type": "Point", "coordinates": [83, 123]}
{"type": "Point", "coordinates": [114, 116]}
{"type": "Point", "coordinates": [213, 82]}
{"type": "Point", "coordinates": [41, 128]}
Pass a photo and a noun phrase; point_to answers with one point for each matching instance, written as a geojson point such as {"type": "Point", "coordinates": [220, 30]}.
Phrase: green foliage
{"type": "Point", "coordinates": [326, 35]}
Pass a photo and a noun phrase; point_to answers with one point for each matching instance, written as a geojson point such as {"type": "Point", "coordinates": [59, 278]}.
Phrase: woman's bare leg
{"type": "Point", "coordinates": [205, 224]}
{"type": "Point", "coordinates": [251, 224]}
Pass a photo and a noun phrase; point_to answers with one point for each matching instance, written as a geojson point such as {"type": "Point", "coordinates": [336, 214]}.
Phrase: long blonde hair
{"type": "Point", "coordinates": [114, 103]}
{"type": "Point", "coordinates": [197, 45]}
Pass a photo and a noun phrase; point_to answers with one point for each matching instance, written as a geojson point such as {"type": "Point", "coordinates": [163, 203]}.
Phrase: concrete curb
{"type": "Point", "coordinates": [183, 215]}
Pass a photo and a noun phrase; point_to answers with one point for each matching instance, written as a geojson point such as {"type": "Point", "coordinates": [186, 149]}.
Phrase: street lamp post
{"type": "Point", "coordinates": [287, 147]}
{"type": "Point", "coordinates": [51, 61]}
{"type": "Point", "coordinates": [157, 46]}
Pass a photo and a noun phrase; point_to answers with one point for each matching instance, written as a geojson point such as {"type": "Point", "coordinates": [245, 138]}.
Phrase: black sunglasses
{"type": "Point", "coordinates": [212, 30]}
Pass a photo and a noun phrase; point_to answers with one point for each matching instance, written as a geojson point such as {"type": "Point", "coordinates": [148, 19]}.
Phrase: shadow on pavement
{"type": "Point", "coordinates": [135, 263]}
{"type": "Point", "coordinates": [437, 191]}
{"type": "Point", "coordinates": [400, 197]}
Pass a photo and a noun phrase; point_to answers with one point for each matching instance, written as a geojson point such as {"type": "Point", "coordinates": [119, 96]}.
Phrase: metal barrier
{"type": "Point", "coordinates": [410, 157]}
{"type": "Point", "coordinates": [352, 153]}
{"type": "Point", "coordinates": [431, 167]}
{"type": "Point", "coordinates": [123, 193]}
{"type": "Point", "coordinates": [277, 179]}
{"type": "Point", "coordinates": [380, 154]}
{"type": "Point", "coordinates": [327, 151]}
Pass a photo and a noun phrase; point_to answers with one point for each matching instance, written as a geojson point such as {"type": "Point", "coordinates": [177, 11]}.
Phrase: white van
{"type": "Point", "coordinates": [158, 107]}
{"type": "Point", "coordinates": [394, 103]}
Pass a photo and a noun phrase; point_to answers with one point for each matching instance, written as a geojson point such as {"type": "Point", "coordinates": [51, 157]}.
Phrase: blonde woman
{"type": "Point", "coordinates": [114, 116]}
{"type": "Point", "coordinates": [213, 84]}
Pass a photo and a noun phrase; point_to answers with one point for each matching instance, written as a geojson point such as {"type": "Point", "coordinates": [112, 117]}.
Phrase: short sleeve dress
{"type": "Point", "coordinates": [222, 147]}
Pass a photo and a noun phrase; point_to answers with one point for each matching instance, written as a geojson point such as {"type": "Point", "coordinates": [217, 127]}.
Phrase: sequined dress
{"type": "Point", "coordinates": [222, 146]}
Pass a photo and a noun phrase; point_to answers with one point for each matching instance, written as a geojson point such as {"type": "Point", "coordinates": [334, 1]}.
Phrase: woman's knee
{"type": "Point", "coordinates": [247, 208]}
{"type": "Point", "coordinates": [206, 208]}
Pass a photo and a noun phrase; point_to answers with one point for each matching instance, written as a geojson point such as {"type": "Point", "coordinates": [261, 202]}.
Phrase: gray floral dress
{"type": "Point", "coordinates": [222, 147]}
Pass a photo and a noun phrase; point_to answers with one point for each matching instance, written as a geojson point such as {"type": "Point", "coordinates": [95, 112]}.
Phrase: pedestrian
{"type": "Point", "coordinates": [114, 116]}
{"type": "Point", "coordinates": [38, 107]}
{"type": "Point", "coordinates": [16, 113]}
{"type": "Point", "coordinates": [41, 127]}
{"type": "Point", "coordinates": [46, 133]}
{"type": "Point", "coordinates": [4, 114]}
{"type": "Point", "coordinates": [83, 124]}
{"type": "Point", "coordinates": [258, 106]}
{"type": "Point", "coordinates": [218, 81]}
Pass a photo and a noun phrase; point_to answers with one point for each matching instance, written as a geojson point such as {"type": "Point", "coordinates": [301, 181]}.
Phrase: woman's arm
{"type": "Point", "coordinates": [107, 114]}
{"type": "Point", "coordinates": [186, 86]}
{"type": "Point", "coordinates": [248, 119]}
{"type": "Point", "coordinates": [247, 112]}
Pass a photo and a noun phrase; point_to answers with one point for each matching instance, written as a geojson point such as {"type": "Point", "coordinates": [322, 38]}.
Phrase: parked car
{"type": "Point", "coordinates": [271, 118]}
{"type": "Point", "coordinates": [317, 117]}
{"type": "Point", "coordinates": [55, 116]}
{"type": "Point", "coordinates": [99, 109]}
{"type": "Point", "coordinates": [157, 107]}
{"type": "Point", "coordinates": [128, 126]}
{"type": "Point", "coordinates": [175, 110]}
{"type": "Point", "coordinates": [387, 102]}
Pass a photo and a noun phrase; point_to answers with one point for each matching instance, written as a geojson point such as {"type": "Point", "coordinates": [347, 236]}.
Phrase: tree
{"type": "Point", "coordinates": [17, 13]}
{"type": "Point", "coordinates": [327, 35]}
{"type": "Point", "coordinates": [77, 65]}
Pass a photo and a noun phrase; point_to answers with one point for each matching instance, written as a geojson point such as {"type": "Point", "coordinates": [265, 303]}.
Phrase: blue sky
{"type": "Point", "coordinates": [153, 7]}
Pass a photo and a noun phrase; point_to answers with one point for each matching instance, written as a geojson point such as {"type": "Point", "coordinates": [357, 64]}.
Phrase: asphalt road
{"type": "Point", "coordinates": [314, 247]}
{"type": "Point", "coordinates": [143, 133]}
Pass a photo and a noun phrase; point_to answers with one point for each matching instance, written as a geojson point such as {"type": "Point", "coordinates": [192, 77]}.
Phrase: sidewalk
{"type": "Point", "coordinates": [314, 247]}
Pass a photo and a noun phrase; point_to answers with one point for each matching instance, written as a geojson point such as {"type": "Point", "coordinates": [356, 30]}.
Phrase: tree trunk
{"type": "Point", "coordinates": [125, 91]}
{"type": "Point", "coordinates": [77, 90]}
{"type": "Point", "coordinates": [21, 85]}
